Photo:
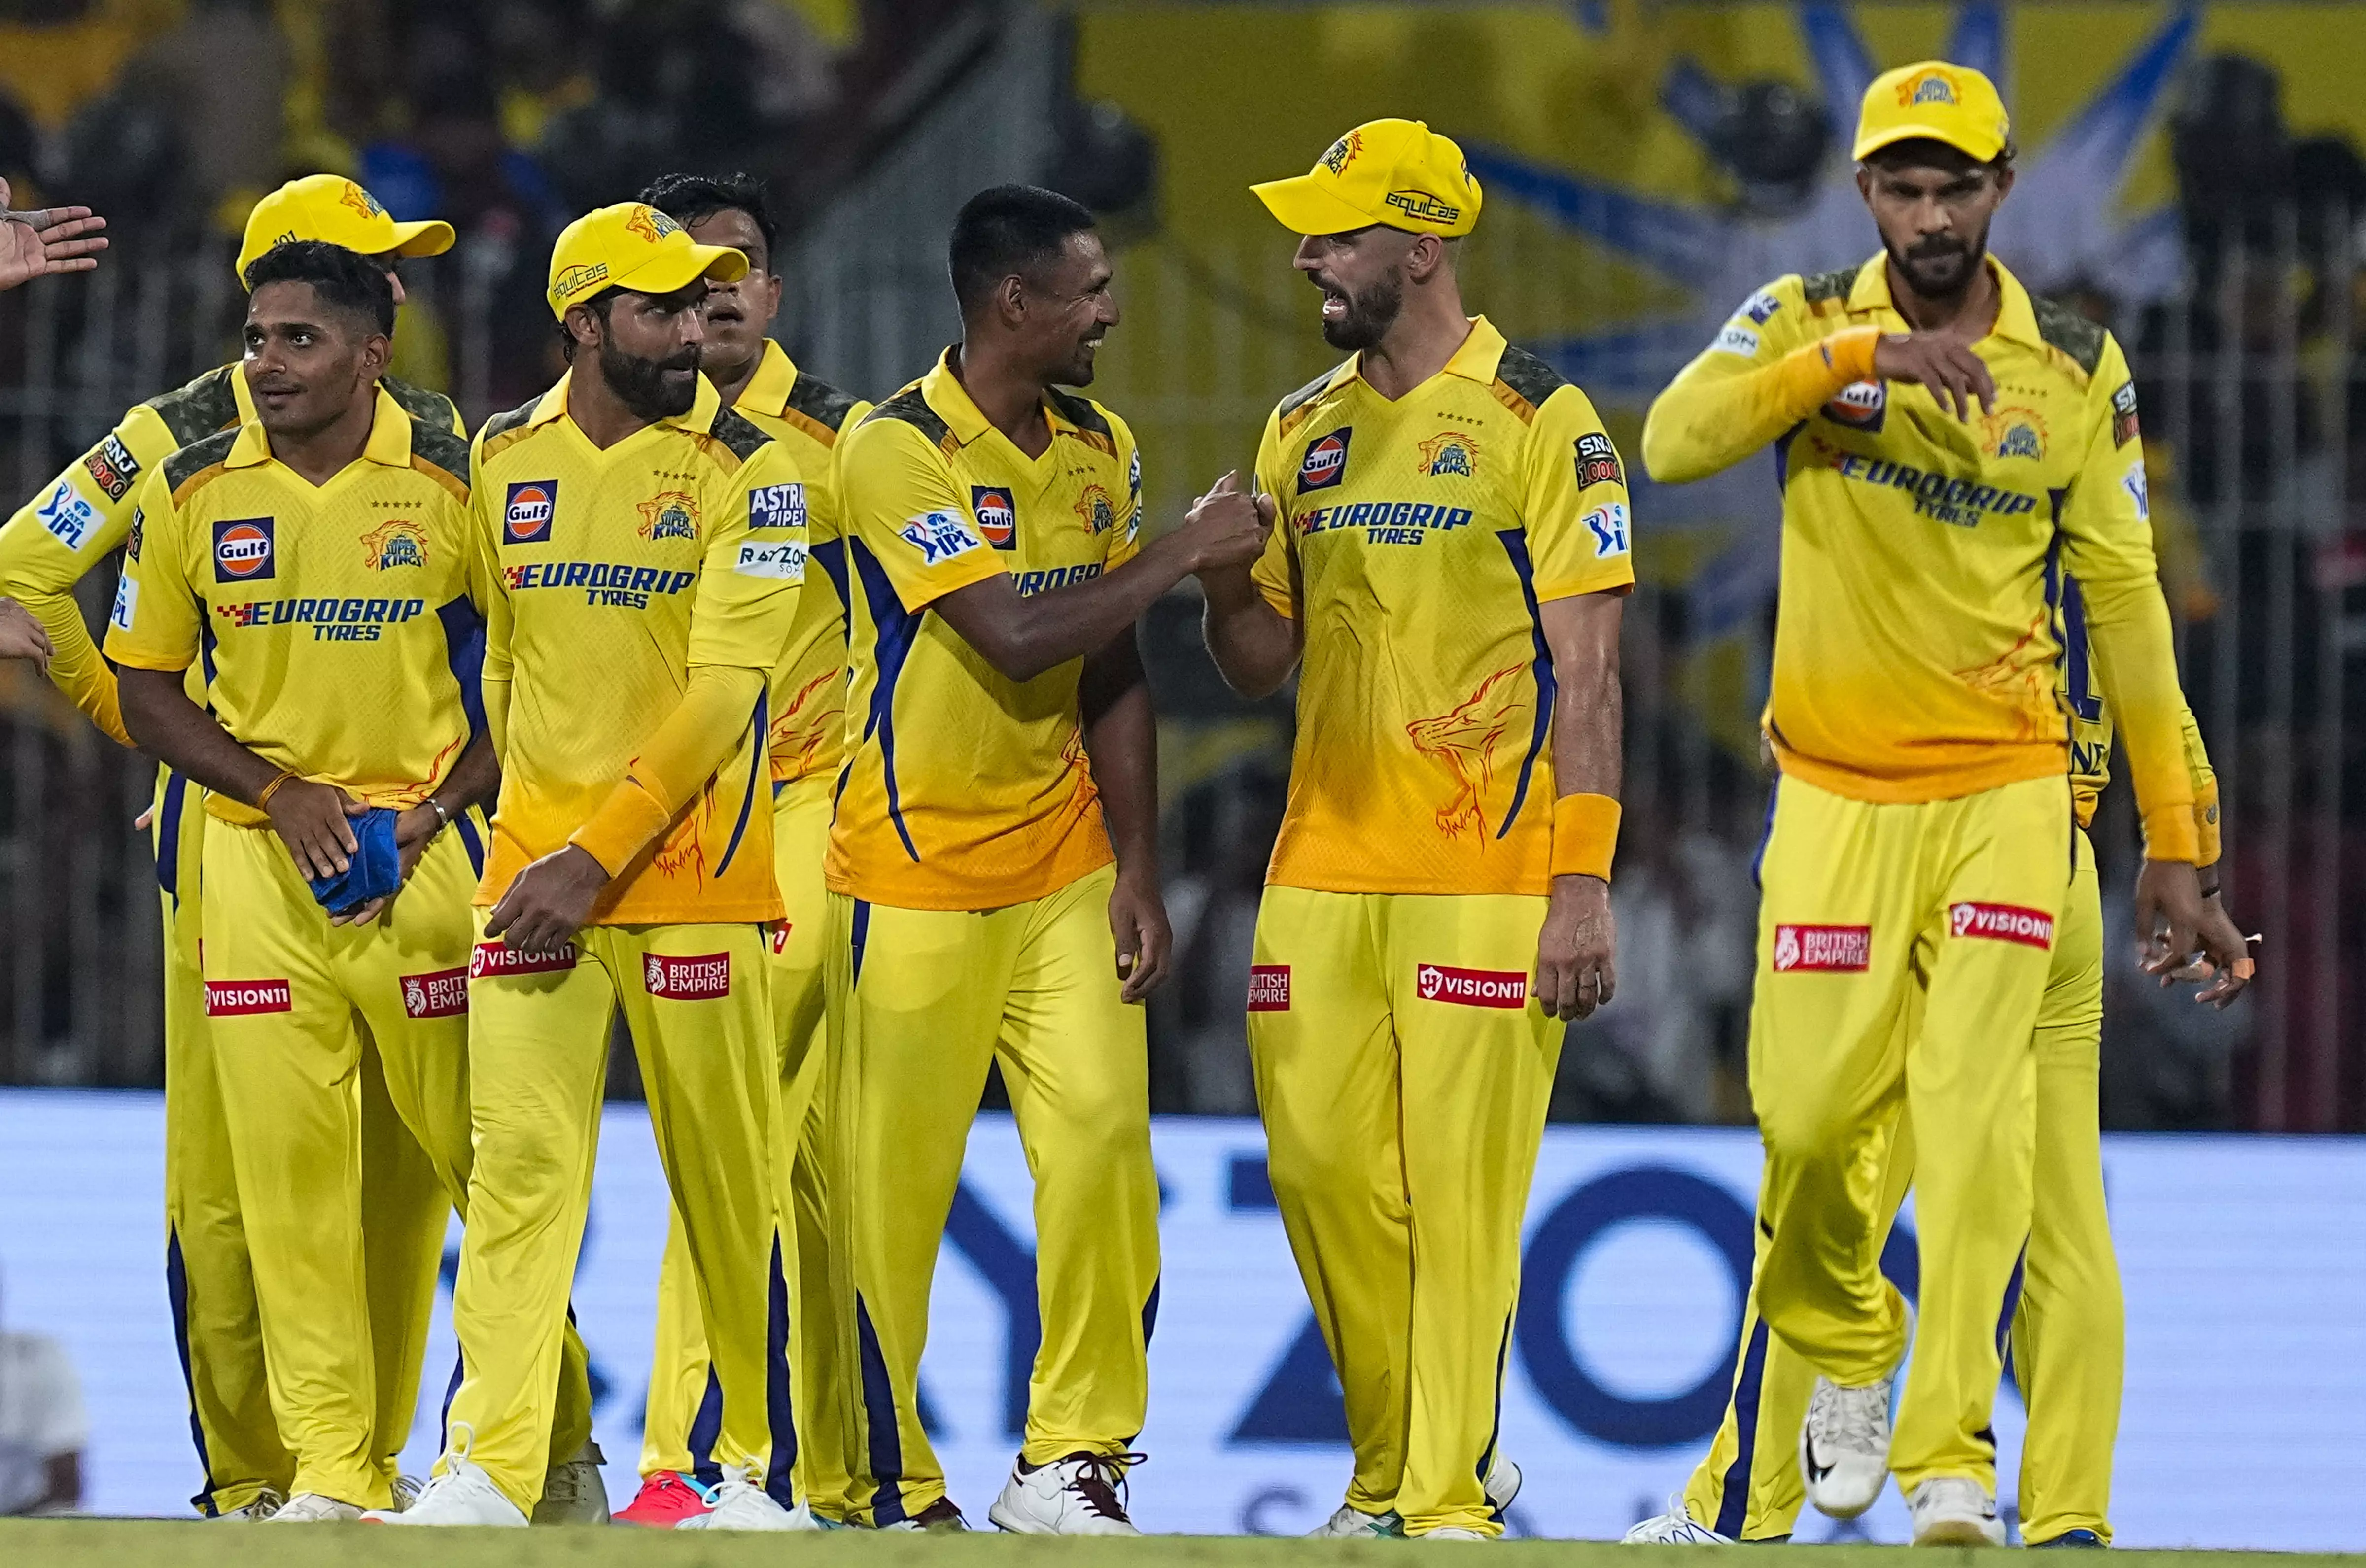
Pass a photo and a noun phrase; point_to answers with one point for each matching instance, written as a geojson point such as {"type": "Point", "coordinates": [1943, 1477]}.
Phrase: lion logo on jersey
{"type": "Point", "coordinates": [2013, 432]}
{"type": "Point", "coordinates": [414, 996]}
{"type": "Point", "coordinates": [1463, 740]}
{"type": "Point", "coordinates": [1098, 512]}
{"type": "Point", "coordinates": [669, 514]}
{"type": "Point", "coordinates": [396, 542]}
{"type": "Point", "coordinates": [1450, 453]}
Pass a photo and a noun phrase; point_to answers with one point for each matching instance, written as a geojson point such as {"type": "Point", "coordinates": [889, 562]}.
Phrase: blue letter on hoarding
{"type": "Point", "coordinates": [1649, 1191]}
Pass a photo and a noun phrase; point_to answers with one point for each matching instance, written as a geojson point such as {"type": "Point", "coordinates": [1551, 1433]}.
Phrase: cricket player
{"type": "Point", "coordinates": [1450, 563]}
{"type": "Point", "coordinates": [77, 521]}
{"type": "Point", "coordinates": [641, 547]}
{"type": "Point", "coordinates": [1947, 447]}
{"type": "Point", "coordinates": [2069, 1331]}
{"type": "Point", "coordinates": [806, 699]}
{"type": "Point", "coordinates": [316, 560]}
{"type": "Point", "coordinates": [993, 869]}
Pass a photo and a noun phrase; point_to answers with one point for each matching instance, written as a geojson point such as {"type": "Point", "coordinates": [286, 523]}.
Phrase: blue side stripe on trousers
{"type": "Point", "coordinates": [1733, 1507]}
{"type": "Point", "coordinates": [176, 1287]}
{"type": "Point", "coordinates": [779, 1409]}
{"type": "Point", "coordinates": [886, 1442]}
{"type": "Point", "coordinates": [704, 1428]}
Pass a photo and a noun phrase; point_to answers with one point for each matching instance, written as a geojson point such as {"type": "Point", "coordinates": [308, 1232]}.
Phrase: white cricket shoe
{"type": "Point", "coordinates": [1676, 1527]}
{"type": "Point", "coordinates": [1503, 1484]}
{"type": "Point", "coordinates": [738, 1503]}
{"type": "Point", "coordinates": [407, 1489]}
{"type": "Point", "coordinates": [1844, 1446]}
{"type": "Point", "coordinates": [1080, 1495]}
{"type": "Point", "coordinates": [1455, 1532]}
{"type": "Point", "coordinates": [313, 1508]}
{"type": "Point", "coordinates": [1348, 1524]}
{"type": "Point", "coordinates": [265, 1502]}
{"type": "Point", "coordinates": [1951, 1511]}
{"type": "Point", "coordinates": [573, 1493]}
{"type": "Point", "coordinates": [463, 1495]}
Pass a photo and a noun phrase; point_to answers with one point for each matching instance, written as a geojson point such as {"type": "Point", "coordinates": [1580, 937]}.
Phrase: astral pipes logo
{"type": "Point", "coordinates": [687, 979]}
{"type": "Point", "coordinates": [1471, 988]}
{"type": "Point", "coordinates": [2003, 922]}
{"type": "Point", "coordinates": [228, 999]}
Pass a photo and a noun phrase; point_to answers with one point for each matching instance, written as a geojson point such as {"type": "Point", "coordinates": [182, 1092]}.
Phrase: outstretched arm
{"type": "Point", "coordinates": [51, 240]}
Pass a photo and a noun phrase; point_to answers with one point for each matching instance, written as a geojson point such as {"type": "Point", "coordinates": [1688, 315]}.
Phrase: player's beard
{"type": "Point", "coordinates": [641, 386]}
{"type": "Point", "coordinates": [1941, 269]}
{"type": "Point", "coordinates": [1369, 315]}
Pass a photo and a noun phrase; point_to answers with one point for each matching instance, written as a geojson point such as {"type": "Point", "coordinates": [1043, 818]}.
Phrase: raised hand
{"type": "Point", "coordinates": [51, 240]}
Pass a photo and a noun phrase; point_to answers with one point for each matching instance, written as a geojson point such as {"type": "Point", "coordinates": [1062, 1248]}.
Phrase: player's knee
{"type": "Point", "coordinates": [1802, 1128]}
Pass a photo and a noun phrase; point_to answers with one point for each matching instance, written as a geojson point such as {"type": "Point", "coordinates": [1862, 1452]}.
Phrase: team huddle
{"type": "Point", "coordinates": [811, 736]}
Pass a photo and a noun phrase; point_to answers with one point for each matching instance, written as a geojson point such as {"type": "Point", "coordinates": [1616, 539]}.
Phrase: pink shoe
{"type": "Point", "coordinates": [664, 1500]}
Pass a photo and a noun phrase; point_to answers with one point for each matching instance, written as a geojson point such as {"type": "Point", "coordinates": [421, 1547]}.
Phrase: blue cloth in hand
{"type": "Point", "coordinates": [376, 871]}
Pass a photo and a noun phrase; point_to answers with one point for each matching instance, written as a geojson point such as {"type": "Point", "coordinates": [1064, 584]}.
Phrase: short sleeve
{"type": "Point", "coordinates": [755, 565]}
{"type": "Point", "coordinates": [1125, 539]}
{"type": "Point", "coordinates": [1575, 503]}
{"type": "Point", "coordinates": [1276, 571]}
{"type": "Point", "coordinates": [901, 504]}
{"type": "Point", "coordinates": [825, 493]}
{"type": "Point", "coordinates": [157, 622]}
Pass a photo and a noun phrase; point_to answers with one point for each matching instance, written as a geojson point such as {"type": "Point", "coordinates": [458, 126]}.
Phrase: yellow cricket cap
{"type": "Point", "coordinates": [332, 208]}
{"type": "Point", "coordinates": [633, 245]}
{"type": "Point", "coordinates": [1397, 171]}
{"type": "Point", "coordinates": [1953, 103]}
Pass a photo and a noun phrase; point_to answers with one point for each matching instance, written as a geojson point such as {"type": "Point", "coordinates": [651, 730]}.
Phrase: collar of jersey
{"type": "Point", "coordinates": [942, 390]}
{"type": "Point", "coordinates": [768, 389]}
{"type": "Point", "coordinates": [388, 443]}
{"type": "Point", "coordinates": [2016, 318]}
{"type": "Point", "coordinates": [1478, 359]}
{"type": "Point", "coordinates": [702, 409]}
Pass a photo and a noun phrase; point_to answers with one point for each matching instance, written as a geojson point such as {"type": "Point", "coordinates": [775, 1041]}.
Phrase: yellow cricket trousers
{"type": "Point", "coordinates": [310, 1024]}
{"type": "Point", "coordinates": [2069, 1333]}
{"type": "Point", "coordinates": [684, 1400]}
{"type": "Point", "coordinates": [920, 1003]}
{"type": "Point", "coordinates": [1870, 915]}
{"type": "Point", "coordinates": [1403, 1075]}
{"type": "Point", "coordinates": [696, 1001]}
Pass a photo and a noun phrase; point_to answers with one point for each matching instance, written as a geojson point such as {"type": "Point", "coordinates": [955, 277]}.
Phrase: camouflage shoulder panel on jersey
{"type": "Point", "coordinates": [1529, 376]}
{"type": "Point", "coordinates": [433, 442]}
{"type": "Point", "coordinates": [427, 408]}
{"type": "Point", "coordinates": [2072, 333]}
{"type": "Point", "coordinates": [1081, 412]}
{"type": "Point", "coordinates": [819, 401]}
{"type": "Point", "coordinates": [200, 407]}
{"type": "Point", "coordinates": [913, 409]}
{"type": "Point", "coordinates": [1837, 284]}
{"type": "Point", "coordinates": [501, 424]}
{"type": "Point", "coordinates": [1286, 412]}
{"type": "Point", "coordinates": [196, 458]}
{"type": "Point", "coordinates": [738, 433]}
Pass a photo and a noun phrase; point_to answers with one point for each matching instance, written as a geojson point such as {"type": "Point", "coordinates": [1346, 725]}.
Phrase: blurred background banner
{"type": "Point", "coordinates": [2188, 174]}
{"type": "Point", "coordinates": [1637, 1254]}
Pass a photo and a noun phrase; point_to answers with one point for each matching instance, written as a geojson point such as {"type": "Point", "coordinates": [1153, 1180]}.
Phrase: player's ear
{"type": "Point", "coordinates": [378, 349]}
{"type": "Point", "coordinates": [1011, 300]}
{"type": "Point", "coordinates": [584, 324]}
{"type": "Point", "coordinates": [1425, 258]}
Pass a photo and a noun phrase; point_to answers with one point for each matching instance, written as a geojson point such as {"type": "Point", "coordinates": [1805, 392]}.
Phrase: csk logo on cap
{"type": "Point", "coordinates": [242, 550]}
{"type": "Point", "coordinates": [650, 224]}
{"type": "Point", "coordinates": [1931, 88]}
{"type": "Point", "coordinates": [526, 511]}
{"type": "Point", "coordinates": [361, 201]}
{"type": "Point", "coordinates": [1325, 462]}
{"type": "Point", "coordinates": [1342, 152]}
{"type": "Point", "coordinates": [998, 515]}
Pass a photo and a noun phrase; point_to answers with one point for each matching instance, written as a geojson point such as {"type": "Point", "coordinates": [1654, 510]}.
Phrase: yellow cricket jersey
{"type": "Point", "coordinates": [609, 576]}
{"type": "Point", "coordinates": [85, 513]}
{"type": "Point", "coordinates": [328, 620]}
{"type": "Point", "coordinates": [2090, 731]}
{"type": "Point", "coordinates": [964, 790]}
{"type": "Point", "coordinates": [1416, 540]}
{"type": "Point", "coordinates": [1916, 649]}
{"type": "Point", "coordinates": [807, 701]}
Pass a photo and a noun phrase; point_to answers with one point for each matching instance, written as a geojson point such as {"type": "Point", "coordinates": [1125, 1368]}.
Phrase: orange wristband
{"type": "Point", "coordinates": [1585, 835]}
{"type": "Point", "coordinates": [272, 789]}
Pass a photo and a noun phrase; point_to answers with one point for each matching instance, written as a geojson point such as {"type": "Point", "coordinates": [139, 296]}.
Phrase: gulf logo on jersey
{"type": "Point", "coordinates": [687, 979]}
{"type": "Point", "coordinates": [1860, 406]}
{"type": "Point", "coordinates": [1325, 462]}
{"type": "Point", "coordinates": [1828, 949]}
{"type": "Point", "coordinates": [242, 550]}
{"type": "Point", "coordinates": [1471, 988]}
{"type": "Point", "coordinates": [998, 515]}
{"type": "Point", "coordinates": [527, 510]}
{"type": "Point", "coordinates": [2001, 922]}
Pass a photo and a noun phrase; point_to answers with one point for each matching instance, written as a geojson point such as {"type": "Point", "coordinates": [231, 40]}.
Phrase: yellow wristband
{"type": "Point", "coordinates": [1849, 353]}
{"type": "Point", "coordinates": [624, 826]}
{"type": "Point", "coordinates": [1585, 835]}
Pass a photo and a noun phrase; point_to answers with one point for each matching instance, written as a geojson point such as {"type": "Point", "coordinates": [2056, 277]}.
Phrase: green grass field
{"type": "Point", "coordinates": [144, 1543]}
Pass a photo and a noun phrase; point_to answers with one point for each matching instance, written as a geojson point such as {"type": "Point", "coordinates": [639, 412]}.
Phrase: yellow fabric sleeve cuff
{"type": "Point", "coordinates": [1849, 353]}
{"type": "Point", "coordinates": [623, 826]}
{"type": "Point", "coordinates": [2205, 821]}
{"type": "Point", "coordinates": [674, 764]}
{"type": "Point", "coordinates": [2171, 835]}
{"type": "Point", "coordinates": [1585, 835]}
